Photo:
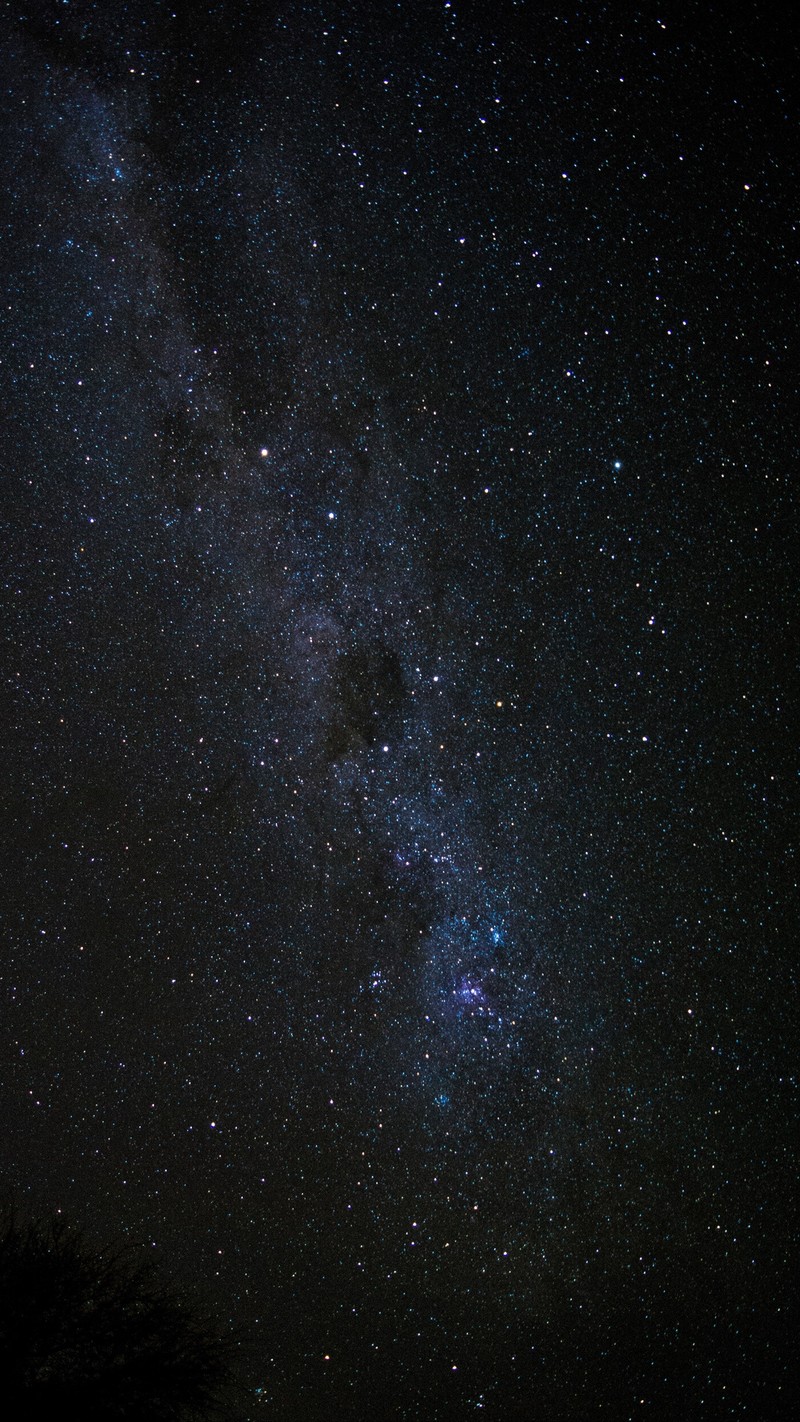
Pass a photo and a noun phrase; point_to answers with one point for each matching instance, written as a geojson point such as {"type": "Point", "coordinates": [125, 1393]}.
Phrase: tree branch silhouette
{"type": "Point", "coordinates": [86, 1329]}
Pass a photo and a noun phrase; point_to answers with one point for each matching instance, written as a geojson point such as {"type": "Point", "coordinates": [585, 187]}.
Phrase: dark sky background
{"type": "Point", "coordinates": [397, 575]}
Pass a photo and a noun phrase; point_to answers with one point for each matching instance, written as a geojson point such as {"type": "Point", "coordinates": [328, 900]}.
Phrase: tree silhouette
{"type": "Point", "coordinates": [85, 1333]}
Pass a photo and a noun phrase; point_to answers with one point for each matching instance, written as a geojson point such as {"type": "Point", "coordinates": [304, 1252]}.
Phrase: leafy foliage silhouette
{"type": "Point", "coordinates": [84, 1332]}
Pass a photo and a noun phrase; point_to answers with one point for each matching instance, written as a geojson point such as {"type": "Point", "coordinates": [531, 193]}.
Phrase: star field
{"type": "Point", "coordinates": [397, 578]}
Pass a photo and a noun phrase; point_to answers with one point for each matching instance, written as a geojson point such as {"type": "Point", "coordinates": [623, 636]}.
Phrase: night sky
{"type": "Point", "coordinates": [397, 576]}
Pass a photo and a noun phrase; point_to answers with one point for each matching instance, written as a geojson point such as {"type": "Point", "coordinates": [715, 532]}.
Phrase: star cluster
{"type": "Point", "coordinates": [397, 586]}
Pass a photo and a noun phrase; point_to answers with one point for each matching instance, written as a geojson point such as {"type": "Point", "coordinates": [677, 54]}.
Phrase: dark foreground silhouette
{"type": "Point", "coordinates": [84, 1333]}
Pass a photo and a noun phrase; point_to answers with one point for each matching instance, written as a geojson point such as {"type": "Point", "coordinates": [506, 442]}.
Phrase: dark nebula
{"type": "Point", "coordinates": [398, 566]}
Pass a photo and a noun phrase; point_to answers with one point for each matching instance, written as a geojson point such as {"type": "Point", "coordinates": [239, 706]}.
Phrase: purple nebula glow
{"type": "Point", "coordinates": [469, 991]}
